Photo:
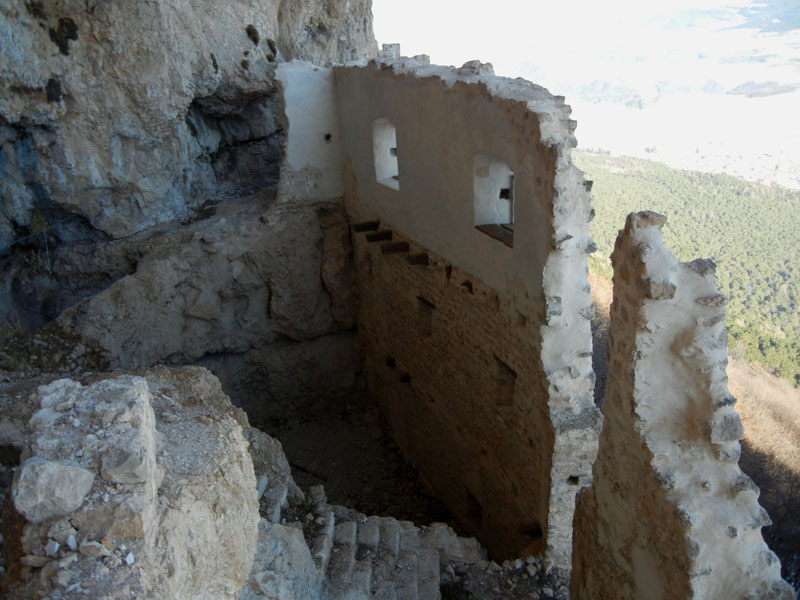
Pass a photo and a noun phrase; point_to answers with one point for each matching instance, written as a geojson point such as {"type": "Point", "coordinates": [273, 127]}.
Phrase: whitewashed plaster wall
{"type": "Point", "coordinates": [312, 167]}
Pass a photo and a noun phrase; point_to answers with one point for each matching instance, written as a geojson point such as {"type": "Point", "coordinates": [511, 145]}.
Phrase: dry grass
{"type": "Point", "coordinates": [770, 411]}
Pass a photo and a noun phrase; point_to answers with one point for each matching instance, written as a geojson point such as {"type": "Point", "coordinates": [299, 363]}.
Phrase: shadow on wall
{"type": "Point", "coordinates": [780, 495]}
{"type": "Point", "coordinates": [242, 139]}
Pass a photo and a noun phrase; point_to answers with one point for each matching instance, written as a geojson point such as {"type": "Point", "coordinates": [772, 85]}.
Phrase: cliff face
{"type": "Point", "coordinates": [128, 132]}
{"type": "Point", "coordinates": [120, 115]}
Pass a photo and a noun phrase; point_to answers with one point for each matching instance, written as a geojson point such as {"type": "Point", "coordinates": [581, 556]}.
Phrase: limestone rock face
{"type": "Point", "coordinates": [257, 293]}
{"type": "Point", "coordinates": [151, 491]}
{"type": "Point", "coordinates": [126, 114]}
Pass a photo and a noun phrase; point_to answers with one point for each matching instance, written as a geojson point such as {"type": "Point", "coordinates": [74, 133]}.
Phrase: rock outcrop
{"type": "Point", "coordinates": [116, 115]}
{"type": "Point", "coordinates": [133, 486]}
{"type": "Point", "coordinates": [123, 128]}
{"type": "Point", "coordinates": [257, 293]}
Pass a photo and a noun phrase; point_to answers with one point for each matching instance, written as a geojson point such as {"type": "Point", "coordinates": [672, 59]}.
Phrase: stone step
{"type": "Point", "coordinates": [389, 536]}
{"type": "Point", "coordinates": [409, 536]}
{"type": "Point", "coordinates": [345, 533]}
{"type": "Point", "coordinates": [361, 579]}
{"type": "Point", "coordinates": [369, 533]}
{"type": "Point", "coordinates": [384, 590]}
{"type": "Point", "coordinates": [320, 541]}
{"type": "Point", "coordinates": [450, 547]}
{"type": "Point", "coordinates": [343, 555]}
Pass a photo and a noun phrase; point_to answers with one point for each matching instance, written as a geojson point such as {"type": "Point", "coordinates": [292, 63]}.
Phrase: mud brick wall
{"type": "Point", "coordinates": [479, 352]}
{"type": "Point", "coordinates": [455, 369]}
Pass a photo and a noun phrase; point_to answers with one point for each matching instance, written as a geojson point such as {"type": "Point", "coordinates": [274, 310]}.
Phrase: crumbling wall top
{"type": "Point", "coordinates": [554, 114]}
{"type": "Point", "coordinates": [669, 449]}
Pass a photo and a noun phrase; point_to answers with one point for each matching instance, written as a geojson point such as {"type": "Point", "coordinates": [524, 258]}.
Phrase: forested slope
{"type": "Point", "coordinates": [752, 232]}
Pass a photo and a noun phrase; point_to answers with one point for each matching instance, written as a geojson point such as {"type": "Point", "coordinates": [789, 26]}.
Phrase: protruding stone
{"type": "Point", "coordinates": [657, 290]}
{"type": "Point", "coordinates": [723, 401]}
{"type": "Point", "coordinates": [92, 548]}
{"type": "Point", "coordinates": [125, 464]}
{"type": "Point", "coordinates": [713, 300]}
{"type": "Point", "coordinates": [476, 67]}
{"type": "Point", "coordinates": [554, 307]}
{"type": "Point", "coordinates": [702, 266]}
{"type": "Point", "coordinates": [389, 51]}
{"type": "Point", "coordinates": [726, 428]}
{"type": "Point", "coordinates": [743, 483]}
{"type": "Point", "coordinates": [61, 579]}
{"type": "Point", "coordinates": [644, 219]}
{"type": "Point", "coordinates": [50, 488]}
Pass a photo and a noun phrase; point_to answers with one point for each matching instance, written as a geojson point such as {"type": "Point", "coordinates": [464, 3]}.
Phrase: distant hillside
{"type": "Point", "coordinates": [751, 231]}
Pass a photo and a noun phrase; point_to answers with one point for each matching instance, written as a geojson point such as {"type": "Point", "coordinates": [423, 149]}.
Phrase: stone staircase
{"type": "Point", "coordinates": [345, 555]}
{"type": "Point", "coordinates": [311, 550]}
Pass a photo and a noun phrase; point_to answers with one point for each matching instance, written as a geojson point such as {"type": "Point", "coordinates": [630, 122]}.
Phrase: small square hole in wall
{"type": "Point", "coordinates": [384, 147]}
{"type": "Point", "coordinates": [506, 378]}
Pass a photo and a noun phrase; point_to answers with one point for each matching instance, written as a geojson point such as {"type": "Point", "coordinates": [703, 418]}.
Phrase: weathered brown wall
{"type": "Point", "coordinates": [434, 337]}
{"type": "Point", "coordinates": [669, 515]}
{"type": "Point", "coordinates": [501, 315]}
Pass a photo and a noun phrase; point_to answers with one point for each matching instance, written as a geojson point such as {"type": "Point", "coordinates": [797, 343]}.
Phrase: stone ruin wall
{"type": "Point", "coordinates": [454, 371]}
{"type": "Point", "coordinates": [670, 514]}
{"type": "Point", "coordinates": [479, 352]}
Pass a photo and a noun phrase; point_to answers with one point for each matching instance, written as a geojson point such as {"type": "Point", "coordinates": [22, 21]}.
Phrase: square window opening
{"type": "Point", "coordinates": [384, 146]}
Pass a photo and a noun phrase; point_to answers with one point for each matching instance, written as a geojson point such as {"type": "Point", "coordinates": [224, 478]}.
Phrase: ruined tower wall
{"type": "Point", "coordinates": [454, 369]}
{"type": "Point", "coordinates": [670, 514]}
{"type": "Point", "coordinates": [476, 341]}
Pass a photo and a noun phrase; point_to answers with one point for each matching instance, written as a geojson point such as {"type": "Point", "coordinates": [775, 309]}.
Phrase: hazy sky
{"type": "Point", "coordinates": [630, 40]}
{"type": "Point", "coordinates": [680, 57]}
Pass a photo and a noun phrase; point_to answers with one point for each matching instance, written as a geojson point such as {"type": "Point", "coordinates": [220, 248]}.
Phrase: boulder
{"type": "Point", "coordinates": [136, 486]}
{"type": "Point", "coordinates": [50, 488]}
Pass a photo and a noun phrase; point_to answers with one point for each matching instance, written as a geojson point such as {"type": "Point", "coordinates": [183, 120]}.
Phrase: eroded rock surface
{"type": "Point", "coordinates": [116, 116]}
{"type": "Point", "coordinates": [122, 123]}
{"type": "Point", "coordinates": [257, 292]}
